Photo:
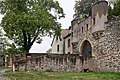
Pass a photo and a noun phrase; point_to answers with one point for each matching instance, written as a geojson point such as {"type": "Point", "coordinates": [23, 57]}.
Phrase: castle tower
{"type": "Point", "coordinates": [99, 17]}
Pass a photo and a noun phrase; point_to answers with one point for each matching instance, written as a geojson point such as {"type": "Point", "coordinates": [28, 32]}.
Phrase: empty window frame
{"type": "Point", "coordinates": [94, 21]}
{"type": "Point", "coordinates": [68, 42]}
{"type": "Point", "coordinates": [58, 48]}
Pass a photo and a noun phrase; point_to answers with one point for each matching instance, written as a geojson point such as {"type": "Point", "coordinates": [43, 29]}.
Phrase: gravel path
{"type": "Point", "coordinates": [2, 71]}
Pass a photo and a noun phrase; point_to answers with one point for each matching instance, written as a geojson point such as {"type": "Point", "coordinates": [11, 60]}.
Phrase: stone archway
{"type": "Point", "coordinates": [86, 51]}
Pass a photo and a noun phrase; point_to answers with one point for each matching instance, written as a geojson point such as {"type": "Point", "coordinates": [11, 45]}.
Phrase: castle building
{"type": "Point", "coordinates": [95, 37]}
{"type": "Point", "coordinates": [80, 31]}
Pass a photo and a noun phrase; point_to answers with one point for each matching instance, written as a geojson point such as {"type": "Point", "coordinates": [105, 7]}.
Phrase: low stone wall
{"type": "Point", "coordinates": [55, 62]}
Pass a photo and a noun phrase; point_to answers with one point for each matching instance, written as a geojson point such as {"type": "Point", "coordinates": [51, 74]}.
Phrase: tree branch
{"type": "Point", "coordinates": [29, 38]}
{"type": "Point", "coordinates": [37, 33]}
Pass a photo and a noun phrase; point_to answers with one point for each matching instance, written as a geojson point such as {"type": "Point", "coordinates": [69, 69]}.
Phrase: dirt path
{"type": "Point", "coordinates": [2, 71]}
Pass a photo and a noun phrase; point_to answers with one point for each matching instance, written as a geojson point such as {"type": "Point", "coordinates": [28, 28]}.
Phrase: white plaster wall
{"type": "Point", "coordinates": [54, 46]}
{"type": "Point", "coordinates": [68, 49]}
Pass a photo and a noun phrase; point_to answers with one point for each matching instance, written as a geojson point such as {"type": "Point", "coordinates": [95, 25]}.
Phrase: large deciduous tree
{"type": "Point", "coordinates": [26, 21]}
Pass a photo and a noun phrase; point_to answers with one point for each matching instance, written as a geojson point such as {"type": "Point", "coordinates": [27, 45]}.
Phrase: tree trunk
{"type": "Point", "coordinates": [13, 65]}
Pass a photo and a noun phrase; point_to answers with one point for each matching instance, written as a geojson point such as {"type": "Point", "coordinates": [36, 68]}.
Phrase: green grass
{"type": "Point", "coordinates": [40, 75]}
{"type": "Point", "coordinates": [3, 67]}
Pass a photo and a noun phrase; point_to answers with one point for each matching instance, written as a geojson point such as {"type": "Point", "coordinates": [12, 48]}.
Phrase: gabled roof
{"type": "Point", "coordinates": [64, 33]}
{"type": "Point", "coordinates": [68, 35]}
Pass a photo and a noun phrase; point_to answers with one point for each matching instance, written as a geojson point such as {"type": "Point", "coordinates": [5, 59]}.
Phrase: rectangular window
{"type": "Point", "coordinates": [94, 21]}
{"type": "Point", "coordinates": [72, 34]}
{"type": "Point", "coordinates": [68, 42]}
{"type": "Point", "coordinates": [86, 27]}
{"type": "Point", "coordinates": [57, 48]}
{"type": "Point", "coordinates": [82, 29]}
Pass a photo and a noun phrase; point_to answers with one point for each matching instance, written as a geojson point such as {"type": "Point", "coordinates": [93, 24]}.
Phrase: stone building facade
{"type": "Point", "coordinates": [95, 45]}
{"type": "Point", "coordinates": [97, 37]}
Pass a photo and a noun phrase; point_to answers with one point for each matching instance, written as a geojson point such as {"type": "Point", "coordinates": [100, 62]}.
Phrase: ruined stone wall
{"type": "Point", "coordinates": [55, 62]}
{"type": "Point", "coordinates": [108, 48]}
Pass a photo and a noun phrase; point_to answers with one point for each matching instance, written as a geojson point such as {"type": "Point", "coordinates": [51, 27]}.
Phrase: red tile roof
{"type": "Point", "coordinates": [65, 32]}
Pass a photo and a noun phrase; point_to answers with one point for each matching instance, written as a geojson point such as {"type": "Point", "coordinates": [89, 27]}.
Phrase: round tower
{"type": "Point", "coordinates": [99, 17]}
{"type": "Point", "coordinates": [100, 8]}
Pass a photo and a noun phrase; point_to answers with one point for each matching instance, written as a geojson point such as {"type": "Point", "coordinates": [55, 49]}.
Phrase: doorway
{"type": "Point", "coordinates": [86, 51]}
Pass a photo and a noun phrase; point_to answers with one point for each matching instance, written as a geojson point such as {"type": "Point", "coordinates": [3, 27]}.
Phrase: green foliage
{"type": "Point", "coordinates": [8, 47]}
{"type": "Point", "coordinates": [26, 21]}
{"type": "Point", "coordinates": [49, 50]}
{"type": "Point", "coordinates": [40, 75]}
{"type": "Point", "coordinates": [110, 12]}
{"type": "Point", "coordinates": [116, 9]}
{"type": "Point", "coordinates": [83, 8]}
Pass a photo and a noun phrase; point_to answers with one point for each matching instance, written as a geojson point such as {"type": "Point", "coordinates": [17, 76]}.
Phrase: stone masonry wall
{"type": "Point", "coordinates": [105, 47]}
{"type": "Point", "coordinates": [108, 48]}
{"type": "Point", "coordinates": [54, 62]}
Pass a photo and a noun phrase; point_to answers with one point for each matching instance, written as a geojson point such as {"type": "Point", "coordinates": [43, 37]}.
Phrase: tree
{"type": "Point", "coordinates": [8, 47]}
{"type": "Point", "coordinates": [110, 12]}
{"type": "Point", "coordinates": [49, 50]}
{"type": "Point", "coordinates": [83, 8]}
{"type": "Point", "coordinates": [26, 21]}
{"type": "Point", "coordinates": [116, 8]}
{"type": "Point", "coordinates": [113, 9]}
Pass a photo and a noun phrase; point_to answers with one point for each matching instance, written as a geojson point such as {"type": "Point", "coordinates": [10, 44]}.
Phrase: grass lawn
{"type": "Point", "coordinates": [40, 75]}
